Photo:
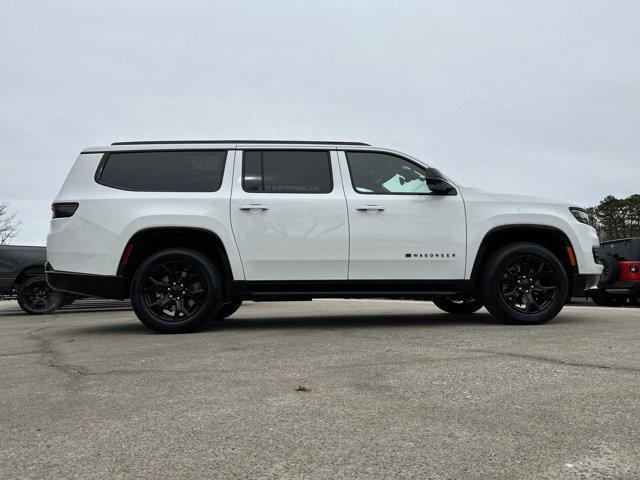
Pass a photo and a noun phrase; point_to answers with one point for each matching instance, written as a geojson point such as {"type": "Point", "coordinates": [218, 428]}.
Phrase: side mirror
{"type": "Point", "coordinates": [437, 184]}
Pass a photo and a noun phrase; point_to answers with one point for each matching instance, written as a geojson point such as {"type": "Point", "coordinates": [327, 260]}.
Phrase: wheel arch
{"type": "Point", "coordinates": [28, 271]}
{"type": "Point", "coordinates": [547, 236]}
{"type": "Point", "coordinates": [149, 240]}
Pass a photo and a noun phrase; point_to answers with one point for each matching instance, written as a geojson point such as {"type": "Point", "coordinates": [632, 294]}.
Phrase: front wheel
{"type": "Point", "coordinates": [458, 306]}
{"type": "Point", "coordinates": [36, 297]}
{"type": "Point", "coordinates": [176, 290]}
{"type": "Point", "coordinates": [524, 284]}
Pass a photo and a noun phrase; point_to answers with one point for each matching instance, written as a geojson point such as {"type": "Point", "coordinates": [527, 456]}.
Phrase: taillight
{"type": "Point", "coordinates": [63, 210]}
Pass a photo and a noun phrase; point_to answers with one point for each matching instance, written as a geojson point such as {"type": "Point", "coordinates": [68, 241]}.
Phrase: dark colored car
{"type": "Point", "coordinates": [22, 275]}
{"type": "Point", "coordinates": [620, 279]}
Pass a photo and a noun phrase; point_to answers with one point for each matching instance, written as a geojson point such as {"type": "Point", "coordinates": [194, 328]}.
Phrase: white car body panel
{"type": "Point", "coordinates": [300, 236]}
{"type": "Point", "coordinates": [94, 238]}
{"type": "Point", "coordinates": [488, 211]}
{"type": "Point", "coordinates": [430, 228]}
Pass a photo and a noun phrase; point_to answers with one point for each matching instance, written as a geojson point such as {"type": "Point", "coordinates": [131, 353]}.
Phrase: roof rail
{"type": "Point", "coordinates": [290, 142]}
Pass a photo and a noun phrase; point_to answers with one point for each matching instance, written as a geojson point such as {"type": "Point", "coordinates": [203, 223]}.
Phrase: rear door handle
{"type": "Point", "coordinates": [254, 206]}
{"type": "Point", "coordinates": [373, 208]}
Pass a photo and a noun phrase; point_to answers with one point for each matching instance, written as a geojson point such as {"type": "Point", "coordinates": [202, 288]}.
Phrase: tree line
{"type": "Point", "coordinates": [616, 217]}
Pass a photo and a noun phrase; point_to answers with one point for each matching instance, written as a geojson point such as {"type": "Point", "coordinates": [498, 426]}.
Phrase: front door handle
{"type": "Point", "coordinates": [372, 208]}
{"type": "Point", "coordinates": [254, 206]}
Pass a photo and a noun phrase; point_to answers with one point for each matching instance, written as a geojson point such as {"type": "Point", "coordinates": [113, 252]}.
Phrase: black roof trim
{"type": "Point", "coordinates": [287, 142]}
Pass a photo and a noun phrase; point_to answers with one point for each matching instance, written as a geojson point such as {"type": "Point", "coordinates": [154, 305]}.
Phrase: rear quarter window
{"type": "Point", "coordinates": [157, 171]}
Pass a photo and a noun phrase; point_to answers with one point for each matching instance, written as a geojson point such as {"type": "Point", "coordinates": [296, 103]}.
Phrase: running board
{"type": "Point", "coordinates": [309, 289]}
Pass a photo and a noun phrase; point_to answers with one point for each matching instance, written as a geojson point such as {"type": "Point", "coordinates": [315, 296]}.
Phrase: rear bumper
{"type": "Point", "coordinates": [622, 285]}
{"type": "Point", "coordinates": [103, 286]}
{"type": "Point", "coordinates": [582, 282]}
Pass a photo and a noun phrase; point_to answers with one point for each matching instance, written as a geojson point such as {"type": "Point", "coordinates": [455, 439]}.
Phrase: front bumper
{"type": "Point", "coordinates": [103, 286]}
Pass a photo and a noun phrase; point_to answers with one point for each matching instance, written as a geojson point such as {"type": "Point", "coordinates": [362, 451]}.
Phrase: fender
{"type": "Point", "coordinates": [168, 236]}
{"type": "Point", "coordinates": [520, 230]}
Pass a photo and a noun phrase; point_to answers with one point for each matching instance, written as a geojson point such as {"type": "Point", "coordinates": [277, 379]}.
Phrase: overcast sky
{"type": "Point", "coordinates": [539, 97]}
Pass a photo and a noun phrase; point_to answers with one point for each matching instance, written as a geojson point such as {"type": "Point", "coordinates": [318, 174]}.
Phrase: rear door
{"type": "Point", "coordinates": [289, 215]}
{"type": "Point", "coordinates": [398, 228]}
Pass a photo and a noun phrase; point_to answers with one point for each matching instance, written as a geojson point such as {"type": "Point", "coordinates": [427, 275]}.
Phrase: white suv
{"type": "Point", "coordinates": [188, 230]}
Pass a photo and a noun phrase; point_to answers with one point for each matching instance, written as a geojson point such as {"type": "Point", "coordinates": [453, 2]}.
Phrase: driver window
{"type": "Point", "coordinates": [382, 173]}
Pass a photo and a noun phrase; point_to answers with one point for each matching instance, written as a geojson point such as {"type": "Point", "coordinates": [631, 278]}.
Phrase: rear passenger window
{"type": "Point", "coordinates": [187, 171]}
{"type": "Point", "coordinates": [287, 171]}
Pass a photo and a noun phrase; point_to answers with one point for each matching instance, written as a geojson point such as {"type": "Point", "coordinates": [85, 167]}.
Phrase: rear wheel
{"type": "Point", "coordinates": [176, 290]}
{"type": "Point", "coordinates": [524, 284]}
{"type": "Point", "coordinates": [458, 306]}
{"type": "Point", "coordinates": [36, 297]}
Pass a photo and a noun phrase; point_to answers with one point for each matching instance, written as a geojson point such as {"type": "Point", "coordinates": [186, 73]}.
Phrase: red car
{"type": "Point", "coordinates": [620, 279]}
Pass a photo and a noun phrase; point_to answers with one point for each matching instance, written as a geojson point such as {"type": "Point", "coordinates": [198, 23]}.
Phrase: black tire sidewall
{"type": "Point", "coordinates": [449, 306]}
{"type": "Point", "coordinates": [213, 290]}
{"type": "Point", "coordinates": [490, 285]}
{"type": "Point", "coordinates": [55, 298]}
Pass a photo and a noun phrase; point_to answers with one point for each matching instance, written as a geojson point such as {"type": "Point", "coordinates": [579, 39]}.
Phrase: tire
{"type": "Point", "coordinates": [456, 306]}
{"type": "Point", "coordinates": [524, 284]}
{"type": "Point", "coordinates": [611, 270]}
{"type": "Point", "coordinates": [36, 297]}
{"type": "Point", "coordinates": [606, 299]}
{"type": "Point", "coordinates": [227, 309]}
{"type": "Point", "coordinates": [176, 290]}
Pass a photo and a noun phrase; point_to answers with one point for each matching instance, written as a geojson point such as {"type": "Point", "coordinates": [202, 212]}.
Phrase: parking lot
{"type": "Point", "coordinates": [322, 389]}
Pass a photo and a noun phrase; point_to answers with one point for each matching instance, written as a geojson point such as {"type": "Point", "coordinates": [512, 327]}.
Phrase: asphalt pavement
{"type": "Point", "coordinates": [329, 389]}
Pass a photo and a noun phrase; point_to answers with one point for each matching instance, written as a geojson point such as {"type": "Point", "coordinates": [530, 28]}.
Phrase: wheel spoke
{"type": "Point", "coordinates": [157, 284]}
{"type": "Point", "coordinates": [538, 273]}
{"type": "Point", "coordinates": [180, 307]}
{"type": "Point", "coordinates": [160, 302]}
{"type": "Point", "coordinates": [543, 289]}
{"type": "Point", "coordinates": [531, 303]}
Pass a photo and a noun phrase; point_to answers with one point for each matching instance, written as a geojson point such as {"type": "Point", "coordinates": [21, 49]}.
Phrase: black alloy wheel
{"type": "Point", "coordinates": [176, 290]}
{"type": "Point", "coordinates": [458, 305]}
{"type": "Point", "coordinates": [528, 284]}
{"type": "Point", "coordinates": [524, 283]}
{"type": "Point", "coordinates": [36, 297]}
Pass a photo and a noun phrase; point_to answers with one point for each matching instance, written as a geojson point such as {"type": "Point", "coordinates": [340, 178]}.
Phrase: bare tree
{"type": "Point", "coordinates": [9, 224]}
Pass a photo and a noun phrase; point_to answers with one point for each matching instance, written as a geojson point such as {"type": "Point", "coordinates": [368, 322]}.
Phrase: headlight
{"type": "Point", "coordinates": [581, 215]}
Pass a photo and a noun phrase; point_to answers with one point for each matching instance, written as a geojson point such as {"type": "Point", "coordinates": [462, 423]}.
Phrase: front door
{"type": "Point", "coordinates": [398, 229]}
{"type": "Point", "coordinates": [289, 215]}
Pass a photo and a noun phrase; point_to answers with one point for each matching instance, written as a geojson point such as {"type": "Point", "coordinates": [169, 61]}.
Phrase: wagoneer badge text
{"type": "Point", "coordinates": [430, 255]}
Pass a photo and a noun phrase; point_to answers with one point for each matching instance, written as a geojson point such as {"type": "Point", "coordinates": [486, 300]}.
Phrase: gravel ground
{"type": "Point", "coordinates": [324, 389]}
